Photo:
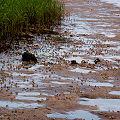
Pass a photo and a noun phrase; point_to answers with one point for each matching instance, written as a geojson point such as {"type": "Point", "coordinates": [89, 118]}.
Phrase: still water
{"type": "Point", "coordinates": [115, 2]}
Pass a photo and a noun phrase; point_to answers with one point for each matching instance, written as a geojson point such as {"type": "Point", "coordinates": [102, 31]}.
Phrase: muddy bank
{"type": "Point", "coordinates": [54, 88]}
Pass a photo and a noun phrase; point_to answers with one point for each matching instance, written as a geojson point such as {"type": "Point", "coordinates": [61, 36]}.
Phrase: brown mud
{"type": "Point", "coordinates": [54, 85]}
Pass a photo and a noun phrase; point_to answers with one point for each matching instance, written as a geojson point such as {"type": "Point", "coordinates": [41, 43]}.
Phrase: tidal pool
{"type": "Point", "coordinates": [29, 93]}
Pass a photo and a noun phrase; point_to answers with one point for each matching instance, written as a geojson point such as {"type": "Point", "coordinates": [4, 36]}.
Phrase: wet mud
{"type": "Point", "coordinates": [55, 89]}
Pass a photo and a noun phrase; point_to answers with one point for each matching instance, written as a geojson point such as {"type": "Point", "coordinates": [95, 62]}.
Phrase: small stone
{"type": "Point", "coordinates": [71, 35]}
{"type": "Point", "coordinates": [6, 106]}
{"type": "Point", "coordinates": [97, 60]}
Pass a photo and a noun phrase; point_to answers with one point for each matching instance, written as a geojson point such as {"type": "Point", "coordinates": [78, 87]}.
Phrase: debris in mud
{"type": "Point", "coordinates": [26, 56]}
{"type": "Point", "coordinates": [83, 61]}
{"type": "Point", "coordinates": [73, 62]}
{"type": "Point", "coordinates": [47, 31]}
{"type": "Point", "coordinates": [97, 60]}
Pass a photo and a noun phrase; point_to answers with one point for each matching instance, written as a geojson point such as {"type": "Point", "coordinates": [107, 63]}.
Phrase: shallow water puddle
{"type": "Point", "coordinates": [24, 85]}
{"type": "Point", "coordinates": [29, 93]}
{"type": "Point", "coordinates": [2, 116]}
{"type": "Point", "coordinates": [99, 84]}
{"type": "Point", "coordinates": [34, 96]}
{"type": "Point", "coordinates": [19, 105]}
{"type": "Point", "coordinates": [76, 26]}
{"type": "Point", "coordinates": [47, 94]}
{"type": "Point", "coordinates": [61, 83]}
{"type": "Point", "coordinates": [108, 34]}
{"type": "Point", "coordinates": [81, 70]}
{"type": "Point", "coordinates": [30, 98]}
{"type": "Point", "coordinates": [115, 2]}
{"type": "Point", "coordinates": [115, 92]}
{"type": "Point", "coordinates": [78, 114]}
{"type": "Point", "coordinates": [111, 81]}
{"type": "Point", "coordinates": [103, 104]}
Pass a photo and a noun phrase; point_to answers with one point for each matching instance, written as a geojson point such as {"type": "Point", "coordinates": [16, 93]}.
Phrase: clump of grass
{"type": "Point", "coordinates": [17, 16]}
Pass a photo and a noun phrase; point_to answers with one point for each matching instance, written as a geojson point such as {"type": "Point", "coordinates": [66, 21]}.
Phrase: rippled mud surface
{"type": "Point", "coordinates": [54, 88]}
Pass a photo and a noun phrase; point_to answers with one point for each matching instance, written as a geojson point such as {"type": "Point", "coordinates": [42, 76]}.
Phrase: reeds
{"type": "Point", "coordinates": [17, 16]}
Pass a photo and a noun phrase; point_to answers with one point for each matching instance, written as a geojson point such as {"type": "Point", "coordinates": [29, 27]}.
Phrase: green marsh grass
{"type": "Point", "coordinates": [18, 16]}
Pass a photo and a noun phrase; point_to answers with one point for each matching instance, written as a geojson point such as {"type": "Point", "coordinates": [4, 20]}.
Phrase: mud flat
{"type": "Point", "coordinates": [55, 89]}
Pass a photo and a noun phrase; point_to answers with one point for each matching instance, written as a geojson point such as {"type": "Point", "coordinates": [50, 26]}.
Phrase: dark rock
{"type": "Point", "coordinates": [97, 60]}
{"type": "Point", "coordinates": [73, 62]}
{"type": "Point", "coordinates": [26, 56]}
{"type": "Point", "coordinates": [71, 35]}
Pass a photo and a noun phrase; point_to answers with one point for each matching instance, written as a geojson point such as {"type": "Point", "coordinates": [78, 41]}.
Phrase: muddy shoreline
{"type": "Point", "coordinates": [53, 89]}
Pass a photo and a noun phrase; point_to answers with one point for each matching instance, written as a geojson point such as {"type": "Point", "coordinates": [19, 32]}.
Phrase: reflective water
{"type": "Point", "coordinates": [2, 116]}
{"type": "Point", "coordinates": [102, 104]}
{"type": "Point", "coordinates": [78, 114]}
{"type": "Point", "coordinates": [115, 2]}
{"type": "Point", "coordinates": [30, 98]}
{"type": "Point", "coordinates": [108, 34]}
{"type": "Point", "coordinates": [115, 92]}
{"type": "Point", "coordinates": [19, 105]}
{"type": "Point", "coordinates": [81, 70]}
{"type": "Point", "coordinates": [29, 94]}
{"type": "Point", "coordinates": [111, 81]}
{"type": "Point", "coordinates": [56, 82]}
{"type": "Point", "coordinates": [98, 84]}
